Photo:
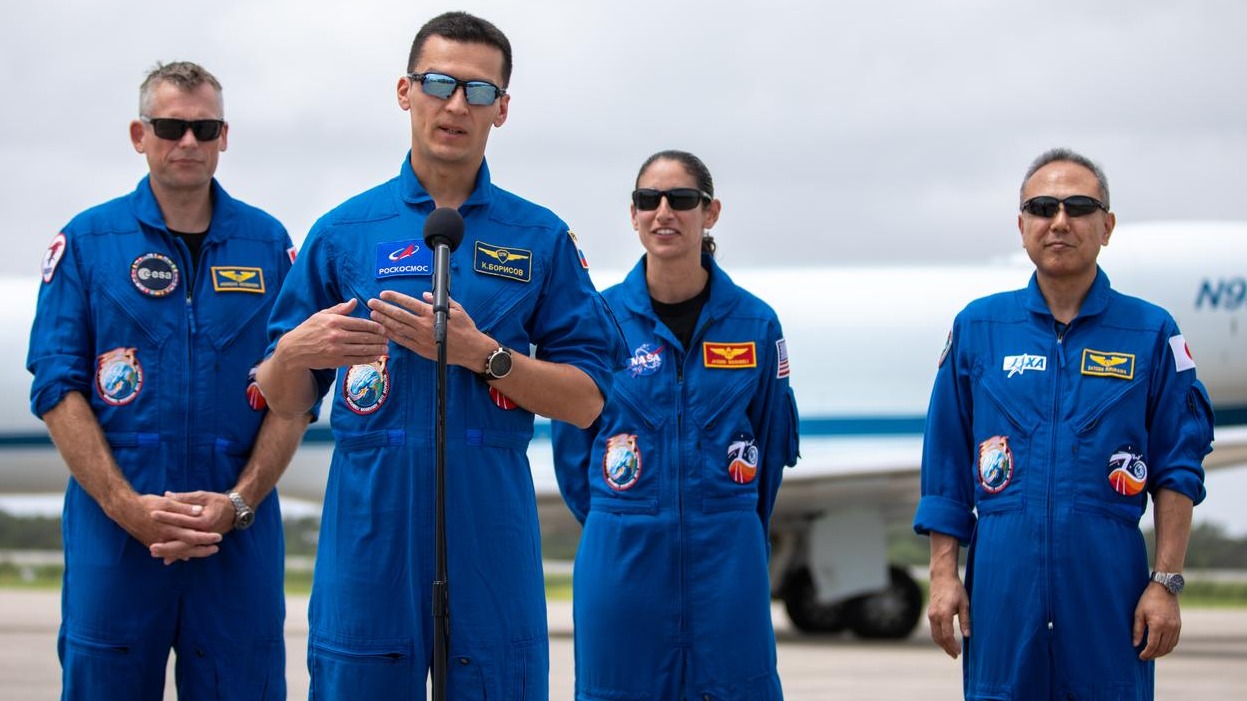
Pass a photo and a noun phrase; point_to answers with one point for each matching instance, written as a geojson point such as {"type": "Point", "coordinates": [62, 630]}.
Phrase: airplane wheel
{"type": "Point", "coordinates": [806, 612]}
{"type": "Point", "coordinates": [888, 614]}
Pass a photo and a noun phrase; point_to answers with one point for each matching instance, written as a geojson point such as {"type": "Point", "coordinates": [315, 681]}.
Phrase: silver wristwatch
{"type": "Point", "coordinates": [244, 515]}
{"type": "Point", "coordinates": [1172, 581]}
{"type": "Point", "coordinates": [498, 364]}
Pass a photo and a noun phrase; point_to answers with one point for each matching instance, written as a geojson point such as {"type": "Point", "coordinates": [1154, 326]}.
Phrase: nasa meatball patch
{"type": "Point", "coordinates": [646, 360]}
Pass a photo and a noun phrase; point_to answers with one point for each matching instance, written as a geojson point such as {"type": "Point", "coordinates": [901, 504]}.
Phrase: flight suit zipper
{"type": "Point", "coordinates": [1049, 563]}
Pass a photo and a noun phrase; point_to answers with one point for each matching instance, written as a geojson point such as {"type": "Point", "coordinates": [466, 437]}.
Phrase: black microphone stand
{"type": "Point", "coordinates": [443, 232]}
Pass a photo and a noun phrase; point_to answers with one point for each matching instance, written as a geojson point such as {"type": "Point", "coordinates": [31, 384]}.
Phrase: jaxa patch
{"type": "Point", "coordinates": [742, 458]}
{"type": "Point", "coordinates": [729, 355]}
{"type": "Point", "coordinates": [995, 464]}
{"type": "Point", "coordinates": [229, 278]}
{"type": "Point", "coordinates": [621, 465]}
{"type": "Point", "coordinates": [365, 387]}
{"type": "Point", "coordinates": [1107, 364]}
{"type": "Point", "coordinates": [119, 376]}
{"type": "Point", "coordinates": [1018, 364]}
{"type": "Point", "coordinates": [1182, 358]}
{"type": "Point", "coordinates": [781, 352]}
{"type": "Point", "coordinates": [403, 258]}
{"type": "Point", "coordinates": [255, 398]}
{"type": "Point", "coordinates": [512, 263]}
{"type": "Point", "coordinates": [51, 259]}
{"type": "Point", "coordinates": [580, 253]}
{"type": "Point", "coordinates": [1127, 473]}
{"type": "Point", "coordinates": [155, 275]}
{"type": "Point", "coordinates": [646, 360]}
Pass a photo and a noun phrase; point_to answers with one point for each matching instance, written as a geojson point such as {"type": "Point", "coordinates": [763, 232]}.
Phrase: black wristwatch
{"type": "Point", "coordinates": [1172, 581]}
{"type": "Point", "coordinates": [498, 364]}
{"type": "Point", "coordinates": [244, 515]}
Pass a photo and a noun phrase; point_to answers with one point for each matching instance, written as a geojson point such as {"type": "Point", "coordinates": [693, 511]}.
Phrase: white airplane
{"type": "Point", "coordinates": [864, 343]}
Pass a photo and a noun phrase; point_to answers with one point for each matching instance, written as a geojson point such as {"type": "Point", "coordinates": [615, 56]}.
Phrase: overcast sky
{"type": "Point", "coordinates": [837, 132]}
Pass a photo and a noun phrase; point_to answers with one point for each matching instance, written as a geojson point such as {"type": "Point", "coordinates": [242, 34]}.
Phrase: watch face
{"type": "Point", "coordinates": [500, 364]}
{"type": "Point", "coordinates": [246, 518]}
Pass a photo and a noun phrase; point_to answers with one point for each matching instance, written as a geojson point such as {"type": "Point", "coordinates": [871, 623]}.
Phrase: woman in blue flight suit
{"type": "Point", "coordinates": [676, 480]}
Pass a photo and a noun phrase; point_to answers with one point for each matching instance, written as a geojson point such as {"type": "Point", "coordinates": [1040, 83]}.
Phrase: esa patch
{"type": "Point", "coordinates": [406, 258]}
{"type": "Point", "coordinates": [781, 352]}
{"type": "Point", "coordinates": [1182, 358]}
{"type": "Point", "coordinates": [512, 263]}
{"type": "Point", "coordinates": [1108, 364]}
{"type": "Point", "coordinates": [155, 275]}
{"type": "Point", "coordinates": [365, 387]}
{"type": "Point", "coordinates": [231, 278]}
{"type": "Point", "coordinates": [1127, 473]}
{"type": "Point", "coordinates": [621, 465]}
{"type": "Point", "coordinates": [995, 464]}
{"type": "Point", "coordinates": [584, 262]}
{"type": "Point", "coordinates": [1018, 364]}
{"type": "Point", "coordinates": [729, 355]}
{"type": "Point", "coordinates": [646, 360]}
{"type": "Point", "coordinates": [51, 259]}
{"type": "Point", "coordinates": [501, 400]}
{"type": "Point", "coordinates": [119, 376]}
{"type": "Point", "coordinates": [255, 398]}
{"type": "Point", "coordinates": [742, 458]}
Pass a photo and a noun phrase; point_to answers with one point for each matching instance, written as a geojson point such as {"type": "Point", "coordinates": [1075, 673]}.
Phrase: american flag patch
{"type": "Point", "coordinates": [781, 351]}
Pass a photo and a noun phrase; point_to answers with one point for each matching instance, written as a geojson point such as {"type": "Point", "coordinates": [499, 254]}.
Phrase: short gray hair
{"type": "Point", "coordinates": [1057, 155]}
{"type": "Point", "coordinates": [184, 75]}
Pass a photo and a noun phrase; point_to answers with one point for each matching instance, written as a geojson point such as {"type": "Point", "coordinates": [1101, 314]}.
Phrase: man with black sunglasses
{"type": "Point", "coordinates": [151, 321]}
{"type": "Point", "coordinates": [356, 317]}
{"type": "Point", "coordinates": [1057, 410]}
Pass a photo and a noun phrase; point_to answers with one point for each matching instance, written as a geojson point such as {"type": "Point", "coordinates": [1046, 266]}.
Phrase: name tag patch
{"type": "Point", "coordinates": [513, 263]}
{"type": "Point", "coordinates": [404, 258]}
{"type": "Point", "coordinates": [231, 278]}
{"type": "Point", "coordinates": [1108, 364]}
{"type": "Point", "coordinates": [729, 355]}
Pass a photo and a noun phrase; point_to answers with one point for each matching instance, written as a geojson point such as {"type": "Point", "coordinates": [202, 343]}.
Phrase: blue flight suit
{"type": "Point", "coordinates": [1055, 437]}
{"type": "Point", "coordinates": [518, 275]}
{"type": "Point", "coordinates": [675, 484]}
{"type": "Point", "coordinates": [162, 347]}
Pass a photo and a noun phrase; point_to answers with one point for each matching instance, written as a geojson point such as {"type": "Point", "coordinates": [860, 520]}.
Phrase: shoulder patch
{"type": "Point", "coordinates": [948, 345]}
{"type": "Point", "coordinates": [51, 259]}
{"type": "Point", "coordinates": [584, 262]}
{"type": "Point", "coordinates": [781, 352]}
{"type": "Point", "coordinates": [1182, 358]}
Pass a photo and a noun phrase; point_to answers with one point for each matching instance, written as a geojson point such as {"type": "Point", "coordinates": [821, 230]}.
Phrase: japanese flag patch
{"type": "Point", "coordinates": [1182, 358]}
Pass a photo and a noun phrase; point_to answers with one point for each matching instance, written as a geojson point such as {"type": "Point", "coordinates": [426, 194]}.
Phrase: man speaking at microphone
{"type": "Point", "coordinates": [516, 282]}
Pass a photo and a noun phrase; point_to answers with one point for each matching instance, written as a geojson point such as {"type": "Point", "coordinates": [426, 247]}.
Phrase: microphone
{"type": "Point", "coordinates": [443, 232]}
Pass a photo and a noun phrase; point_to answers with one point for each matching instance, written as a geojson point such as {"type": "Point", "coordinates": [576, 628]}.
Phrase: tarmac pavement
{"type": "Point", "coordinates": [1210, 663]}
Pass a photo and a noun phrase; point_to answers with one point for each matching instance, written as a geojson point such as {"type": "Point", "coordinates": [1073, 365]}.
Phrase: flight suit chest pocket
{"type": "Point", "coordinates": [1004, 436]}
{"type": "Point", "coordinates": [728, 450]}
{"type": "Point", "coordinates": [1110, 452]}
{"type": "Point", "coordinates": [631, 458]}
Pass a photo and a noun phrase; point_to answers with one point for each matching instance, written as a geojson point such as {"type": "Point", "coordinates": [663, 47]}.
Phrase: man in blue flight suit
{"type": "Point", "coordinates": [516, 282]}
{"type": "Point", "coordinates": [151, 319]}
{"type": "Point", "coordinates": [1057, 410]}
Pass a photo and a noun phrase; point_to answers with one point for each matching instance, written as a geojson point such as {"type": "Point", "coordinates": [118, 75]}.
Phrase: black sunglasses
{"type": "Point", "coordinates": [440, 85]}
{"type": "Point", "coordinates": [173, 129]}
{"type": "Point", "coordinates": [1075, 206]}
{"type": "Point", "coordinates": [679, 198]}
